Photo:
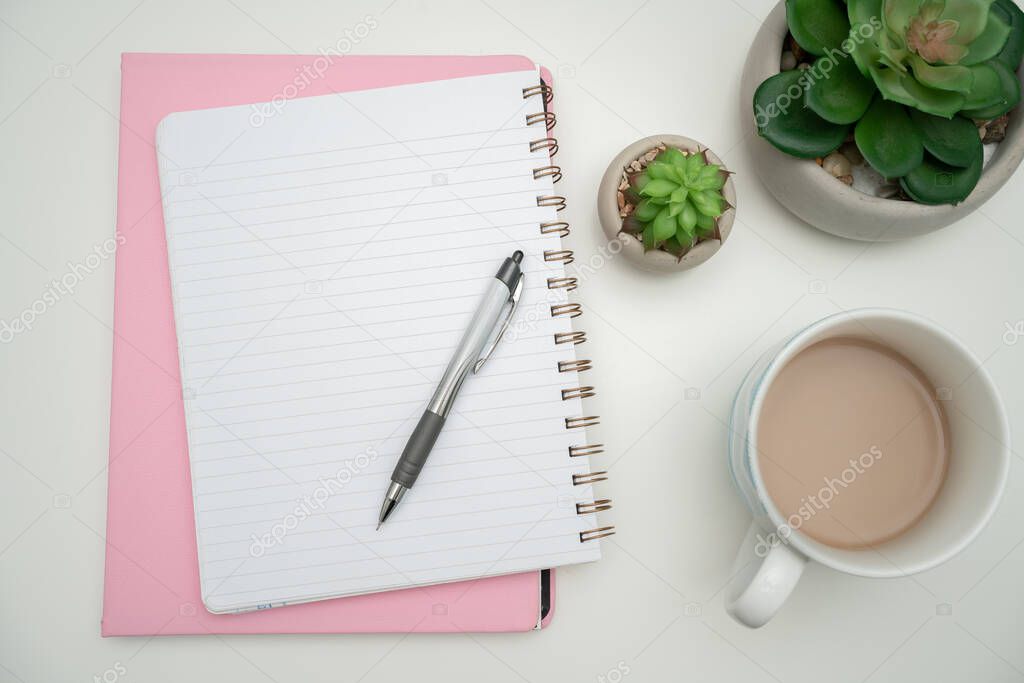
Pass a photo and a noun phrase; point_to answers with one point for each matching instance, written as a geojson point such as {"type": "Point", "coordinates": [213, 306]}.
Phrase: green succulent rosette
{"type": "Point", "coordinates": [678, 200]}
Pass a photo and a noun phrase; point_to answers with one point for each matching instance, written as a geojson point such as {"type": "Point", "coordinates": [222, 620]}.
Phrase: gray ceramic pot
{"type": "Point", "coordinates": [631, 247]}
{"type": "Point", "coordinates": [818, 198]}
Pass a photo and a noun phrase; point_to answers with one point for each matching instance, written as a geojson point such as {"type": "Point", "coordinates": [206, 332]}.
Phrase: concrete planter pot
{"type": "Point", "coordinates": [813, 195]}
{"type": "Point", "coordinates": [632, 247]}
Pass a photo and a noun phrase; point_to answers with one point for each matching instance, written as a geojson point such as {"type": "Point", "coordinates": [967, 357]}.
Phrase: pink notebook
{"type": "Point", "coordinates": [151, 583]}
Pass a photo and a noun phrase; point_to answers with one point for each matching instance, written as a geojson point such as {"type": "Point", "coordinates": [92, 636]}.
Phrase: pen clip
{"type": "Point", "coordinates": [513, 302]}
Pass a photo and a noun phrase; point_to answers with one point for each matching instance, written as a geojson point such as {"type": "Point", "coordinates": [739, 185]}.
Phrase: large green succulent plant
{"type": "Point", "coordinates": [907, 76]}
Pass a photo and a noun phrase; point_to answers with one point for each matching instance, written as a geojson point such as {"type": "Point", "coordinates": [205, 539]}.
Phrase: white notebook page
{"type": "Point", "coordinates": [324, 264]}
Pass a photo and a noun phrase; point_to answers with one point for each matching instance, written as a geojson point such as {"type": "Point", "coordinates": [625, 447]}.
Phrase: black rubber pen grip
{"type": "Point", "coordinates": [417, 449]}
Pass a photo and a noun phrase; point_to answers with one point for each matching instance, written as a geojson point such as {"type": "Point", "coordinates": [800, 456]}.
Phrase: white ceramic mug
{"type": "Point", "coordinates": [768, 566]}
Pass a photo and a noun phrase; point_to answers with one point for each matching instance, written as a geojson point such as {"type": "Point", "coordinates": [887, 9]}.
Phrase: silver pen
{"type": "Point", "coordinates": [489, 323]}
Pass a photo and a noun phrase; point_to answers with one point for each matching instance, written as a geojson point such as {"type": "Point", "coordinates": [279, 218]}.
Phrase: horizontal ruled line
{"type": "Point", "coordinates": [491, 564]}
{"type": "Point", "coordinates": [371, 374]}
{"type": "Point", "coordinates": [526, 471]}
{"type": "Point", "coordinates": [410, 503]}
{"type": "Point", "coordinates": [354, 148]}
{"type": "Point", "coordinates": [335, 444]}
{"type": "Point", "coordinates": [458, 463]}
{"type": "Point", "coordinates": [402, 206]}
{"type": "Point", "coordinates": [361, 391]}
{"type": "Point", "coordinates": [386, 354]}
{"type": "Point", "coordinates": [390, 539]}
{"type": "Point", "coordinates": [377, 559]}
{"type": "Point", "coordinates": [359, 195]}
{"type": "Point", "coordinates": [425, 170]}
{"type": "Point", "coordinates": [341, 344]}
{"type": "Point", "coordinates": [370, 307]}
{"type": "Point", "coordinates": [362, 259]}
{"type": "Point", "coordinates": [485, 226]}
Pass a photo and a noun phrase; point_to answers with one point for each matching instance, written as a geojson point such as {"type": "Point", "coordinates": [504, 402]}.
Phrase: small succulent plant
{"type": "Point", "coordinates": [678, 201]}
{"type": "Point", "coordinates": [907, 76]}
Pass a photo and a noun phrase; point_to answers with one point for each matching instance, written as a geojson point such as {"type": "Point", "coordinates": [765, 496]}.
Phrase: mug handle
{"type": "Point", "coordinates": [762, 581]}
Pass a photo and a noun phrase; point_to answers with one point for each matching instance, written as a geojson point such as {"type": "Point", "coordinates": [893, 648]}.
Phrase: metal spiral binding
{"type": "Point", "coordinates": [573, 338]}
{"type": "Point", "coordinates": [546, 117]}
{"type": "Point", "coordinates": [586, 451]}
{"type": "Point", "coordinates": [596, 506]}
{"type": "Point", "coordinates": [554, 200]}
{"type": "Point", "coordinates": [578, 422]}
{"type": "Point", "coordinates": [550, 143]}
{"type": "Point", "coordinates": [555, 172]}
{"type": "Point", "coordinates": [594, 534]}
{"type": "Point", "coordinates": [581, 365]}
{"type": "Point", "coordinates": [540, 89]}
{"type": "Point", "coordinates": [566, 283]}
{"type": "Point", "coordinates": [563, 255]}
{"type": "Point", "coordinates": [589, 478]}
{"type": "Point", "coordinates": [578, 392]}
{"type": "Point", "coordinates": [560, 228]}
{"type": "Point", "coordinates": [572, 310]}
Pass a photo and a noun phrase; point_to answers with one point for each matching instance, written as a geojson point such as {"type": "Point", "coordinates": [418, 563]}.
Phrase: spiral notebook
{"type": "Point", "coordinates": [325, 255]}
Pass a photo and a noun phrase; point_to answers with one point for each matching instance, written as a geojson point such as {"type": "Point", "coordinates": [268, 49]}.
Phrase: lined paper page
{"type": "Point", "coordinates": [324, 265]}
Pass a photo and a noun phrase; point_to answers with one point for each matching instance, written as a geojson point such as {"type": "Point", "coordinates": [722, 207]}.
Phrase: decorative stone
{"type": "Point", "coordinates": [838, 166]}
{"type": "Point", "coordinates": [995, 130]}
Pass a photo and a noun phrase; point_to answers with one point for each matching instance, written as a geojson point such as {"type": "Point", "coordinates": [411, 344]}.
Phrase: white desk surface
{"type": "Point", "coordinates": [652, 608]}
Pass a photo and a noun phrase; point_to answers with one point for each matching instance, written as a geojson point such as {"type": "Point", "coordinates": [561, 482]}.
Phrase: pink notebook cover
{"type": "Point", "coordinates": [151, 585]}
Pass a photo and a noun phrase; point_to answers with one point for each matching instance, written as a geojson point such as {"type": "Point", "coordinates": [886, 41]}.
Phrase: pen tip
{"type": "Point", "coordinates": [517, 256]}
{"type": "Point", "coordinates": [379, 525]}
